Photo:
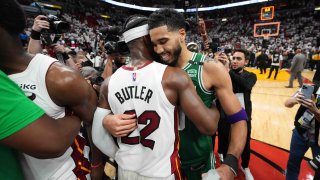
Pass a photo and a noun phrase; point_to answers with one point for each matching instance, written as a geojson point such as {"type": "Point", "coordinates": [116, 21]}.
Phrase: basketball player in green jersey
{"type": "Point", "coordinates": [167, 32]}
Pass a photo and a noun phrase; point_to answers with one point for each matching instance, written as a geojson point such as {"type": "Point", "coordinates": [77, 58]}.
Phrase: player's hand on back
{"type": "Point", "coordinates": [222, 173]}
{"type": "Point", "coordinates": [120, 125]}
{"type": "Point", "coordinates": [225, 172]}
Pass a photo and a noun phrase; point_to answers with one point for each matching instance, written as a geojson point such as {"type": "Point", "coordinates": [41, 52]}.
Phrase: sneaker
{"type": "Point", "coordinates": [247, 173]}
{"type": "Point", "coordinates": [315, 163]}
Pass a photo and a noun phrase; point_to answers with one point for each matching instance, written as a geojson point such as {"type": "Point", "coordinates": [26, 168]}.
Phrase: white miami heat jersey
{"type": "Point", "coordinates": [152, 149]}
{"type": "Point", "coordinates": [74, 162]}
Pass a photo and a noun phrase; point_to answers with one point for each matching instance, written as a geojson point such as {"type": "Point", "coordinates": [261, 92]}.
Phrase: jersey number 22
{"type": "Point", "coordinates": [150, 127]}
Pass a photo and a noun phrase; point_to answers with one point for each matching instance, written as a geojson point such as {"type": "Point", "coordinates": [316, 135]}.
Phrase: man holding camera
{"type": "Point", "coordinates": [306, 132]}
{"type": "Point", "coordinates": [34, 47]}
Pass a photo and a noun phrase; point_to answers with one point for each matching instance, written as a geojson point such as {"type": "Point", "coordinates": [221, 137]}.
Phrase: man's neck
{"type": "Point", "coordinates": [184, 57]}
{"type": "Point", "coordinates": [16, 64]}
{"type": "Point", "coordinates": [139, 59]}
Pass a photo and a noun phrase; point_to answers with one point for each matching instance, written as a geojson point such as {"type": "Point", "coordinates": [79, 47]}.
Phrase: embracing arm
{"type": "Point", "coordinates": [205, 119]}
{"type": "Point", "coordinates": [229, 103]}
{"type": "Point", "coordinates": [118, 125]}
{"type": "Point", "coordinates": [67, 88]}
{"type": "Point", "coordinates": [45, 137]}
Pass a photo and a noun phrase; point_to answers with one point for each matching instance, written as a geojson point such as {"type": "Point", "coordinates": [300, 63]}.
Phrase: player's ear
{"type": "Point", "coordinates": [246, 62]}
{"type": "Point", "coordinates": [182, 33]}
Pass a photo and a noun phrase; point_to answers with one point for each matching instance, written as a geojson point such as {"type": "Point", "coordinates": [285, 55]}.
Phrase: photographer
{"type": "Point", "coordinates": [242, 83]}
{"type": "Point", "coordinates": [40, 22]}
{"type": "Point", "coordinates": [306, 132]}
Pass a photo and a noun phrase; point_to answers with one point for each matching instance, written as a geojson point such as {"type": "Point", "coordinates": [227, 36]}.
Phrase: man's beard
{"type": "Point", "coordinates": [176, 55]}
{"type": "Point", "coordinates": [238, 69]}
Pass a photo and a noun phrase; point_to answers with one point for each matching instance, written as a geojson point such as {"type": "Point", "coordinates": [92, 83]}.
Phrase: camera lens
{"type": "Point", "coordinates": [61, 27]}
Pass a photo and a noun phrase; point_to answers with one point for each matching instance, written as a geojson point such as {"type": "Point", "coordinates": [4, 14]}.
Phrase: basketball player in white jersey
{"type": "Point", "coordinates": [152, 91]}
{"type": "Point", "coordinates": [54, 88]}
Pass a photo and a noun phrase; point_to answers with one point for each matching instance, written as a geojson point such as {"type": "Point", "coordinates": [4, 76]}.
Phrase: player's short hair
{"type": "Point", "coordinates": [167, 17]}
{"type": "Point", "coordinates": [12, 17]}
{"type": "Point", "coordinates": [134, 21]}
{"type": "Point", "coordinates": [245, 53]}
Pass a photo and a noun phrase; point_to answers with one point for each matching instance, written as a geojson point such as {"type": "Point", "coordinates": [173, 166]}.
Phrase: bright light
{"type": "Point", "coordinates": [317, 8]}
{"type": "Point", "coordinates": [134, 6]}
{"type": "Point", "coordinates": [50, 5]}
{"type": "Point", "coordinates": [105, 16]}
{"type": "Point", "coordinates": [224, 6]}
{"type": "Point", "coordinates": [187, 10]}
{"type": "Point", "coordinates": [224, 19]}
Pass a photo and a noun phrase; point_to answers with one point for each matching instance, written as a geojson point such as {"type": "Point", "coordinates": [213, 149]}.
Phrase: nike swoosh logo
{"type": "Point", "coordinates": [32, 97]}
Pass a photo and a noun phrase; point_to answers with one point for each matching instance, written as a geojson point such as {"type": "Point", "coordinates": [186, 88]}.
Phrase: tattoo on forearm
{"type": "Point", "coordinates": [208, 59]}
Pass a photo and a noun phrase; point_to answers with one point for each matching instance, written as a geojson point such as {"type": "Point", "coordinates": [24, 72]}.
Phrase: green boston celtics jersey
{"type": "Point", "coordinates": [194, 146]}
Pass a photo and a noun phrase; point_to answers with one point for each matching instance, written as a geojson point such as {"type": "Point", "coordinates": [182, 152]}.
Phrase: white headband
{"type": "Point", "coordinates": [136, 33]}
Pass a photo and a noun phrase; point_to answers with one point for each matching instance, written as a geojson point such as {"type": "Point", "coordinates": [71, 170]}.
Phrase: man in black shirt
{"type": "Point", "coordinates": [242, 83]}
{"type": "Point", "coordinates": [262, 60]}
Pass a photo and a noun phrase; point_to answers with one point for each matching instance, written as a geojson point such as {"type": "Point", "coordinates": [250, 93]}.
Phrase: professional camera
{"type": "Point", "coordinates": [56, 25]}
{"type": "Point", "coordinates": [116, 47]}
{"type": "Point", "coordinates": [113, 44]}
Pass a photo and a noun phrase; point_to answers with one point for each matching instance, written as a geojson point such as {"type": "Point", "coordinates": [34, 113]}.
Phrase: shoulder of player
{"type": "Point", "coordinates": [212, 65]}
{"type": "Point", "coordinates": [174, 76]}
{"type": "Point", "coordinates": [60, 72]}
{"type": "Point", "coordinates": [65, 80]}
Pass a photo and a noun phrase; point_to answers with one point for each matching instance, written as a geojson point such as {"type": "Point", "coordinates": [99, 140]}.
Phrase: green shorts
{"type": "Point", "coordinates": [194, 171]}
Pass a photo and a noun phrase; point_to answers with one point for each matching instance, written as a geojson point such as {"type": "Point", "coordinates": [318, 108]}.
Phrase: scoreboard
{"type": "Point", "coordinates": [267, 13]}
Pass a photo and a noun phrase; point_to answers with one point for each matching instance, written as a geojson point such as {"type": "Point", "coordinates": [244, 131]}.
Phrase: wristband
{"type": "Point", "coordinates": [232, 162]}
{"type": "Point", "coordinates": [35, 35]}
{"type": "Point", "coordinates": [96, 166]}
